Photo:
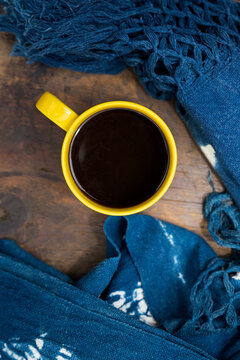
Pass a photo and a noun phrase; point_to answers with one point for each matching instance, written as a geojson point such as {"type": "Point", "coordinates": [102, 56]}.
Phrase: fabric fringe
{"type": "Point", "coordinates": [222, 276]}
{"type": "Point", "coordinates": [210, 311]}
{"type": "Point", "coordinates": [166, 42]}
{"type": "Point", "coordinates": [223, 220]}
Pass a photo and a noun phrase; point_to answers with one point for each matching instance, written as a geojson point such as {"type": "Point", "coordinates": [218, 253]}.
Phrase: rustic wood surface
{"type": "Point", "coordinates": [36, 207]}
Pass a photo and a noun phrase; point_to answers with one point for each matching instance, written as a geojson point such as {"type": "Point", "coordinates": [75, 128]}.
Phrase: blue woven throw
{"type": "Point", "coordinates": [157, 273]}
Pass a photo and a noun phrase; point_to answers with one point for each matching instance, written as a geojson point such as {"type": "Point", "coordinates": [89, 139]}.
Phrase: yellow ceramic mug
{"type": "Point", "coordinates": [69, 121]}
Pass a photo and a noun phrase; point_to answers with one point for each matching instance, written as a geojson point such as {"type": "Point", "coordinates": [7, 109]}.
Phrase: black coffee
{"type": "Point", "coordinates": [119, 158]}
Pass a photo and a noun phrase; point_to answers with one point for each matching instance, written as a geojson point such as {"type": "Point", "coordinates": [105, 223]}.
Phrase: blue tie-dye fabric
{"type": "Point", "coordinates": [171, 279]}
{"type": "Point", "coordinates": [157, 273]}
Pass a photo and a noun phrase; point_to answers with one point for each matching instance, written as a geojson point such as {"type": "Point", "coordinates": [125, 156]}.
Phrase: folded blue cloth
{"type": "Point", "coordinates": [156, 272]}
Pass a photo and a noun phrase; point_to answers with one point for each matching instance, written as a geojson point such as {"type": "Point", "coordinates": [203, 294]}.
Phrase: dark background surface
{"type": "Point", "coordinates": [36, 207]}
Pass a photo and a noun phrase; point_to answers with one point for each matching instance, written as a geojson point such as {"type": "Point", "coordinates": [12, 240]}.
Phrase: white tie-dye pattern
{"type": "Point", "coordinates": [15, 346]}
{"type": "Point", "coordinates": [121, 301]}
{"type": "Point", "coordinates": [39, 343]}
{"type": "Point", "coordinates": [11, 354]}
{"type": "Point", "coordinates": [32, 353]}
{"type": "Point", "coordinates": [170, 239]}
{"type": "Point", "coordinates": [168, 236]}
{"type": "Point", "coordinates": [236, 276]}
{"type": "Point", "coordinates": [65, 352]}
{"type": "Point", "coordinates": [180, 276]}
{"type": "Point", "coordinates": [210, 154]}
{"type": "Point", "coordinates": [125, 302]}
{"type": "Point", "coordinates": [138, 293]}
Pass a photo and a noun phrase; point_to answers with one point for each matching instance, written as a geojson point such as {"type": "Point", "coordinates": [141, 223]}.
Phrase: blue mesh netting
{"type": "Point", "coordinates": [216, 296]}
{"type": "Point", "coordinates": [223, 220]}
{"type": "Point", "coordinates": [167, 42]}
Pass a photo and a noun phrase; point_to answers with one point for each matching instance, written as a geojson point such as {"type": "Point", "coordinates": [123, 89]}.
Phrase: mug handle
{"type": "Point", "coordinates": [56, 110]}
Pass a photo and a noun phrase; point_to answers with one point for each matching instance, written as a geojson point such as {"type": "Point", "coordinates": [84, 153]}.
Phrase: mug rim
{"type": "Point", "coordinates": [105, 209]}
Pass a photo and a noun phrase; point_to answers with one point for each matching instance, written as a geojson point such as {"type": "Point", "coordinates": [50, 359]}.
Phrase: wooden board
{"type": "Point", "coordinates": [36, 207]}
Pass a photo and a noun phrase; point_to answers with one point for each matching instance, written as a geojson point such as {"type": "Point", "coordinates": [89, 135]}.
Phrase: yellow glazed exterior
{"type": "Point", "coordinates": [68, 120]}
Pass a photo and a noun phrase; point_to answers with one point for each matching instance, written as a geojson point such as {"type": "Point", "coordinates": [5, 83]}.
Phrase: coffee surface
{"type": "Point", "coordinates": [118, 158]}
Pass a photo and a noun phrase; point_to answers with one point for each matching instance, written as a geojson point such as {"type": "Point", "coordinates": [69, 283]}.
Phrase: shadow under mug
{"type": "Point", "coordinates": [68, 120]}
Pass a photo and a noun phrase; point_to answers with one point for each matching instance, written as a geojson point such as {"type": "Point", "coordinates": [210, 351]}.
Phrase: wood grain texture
{"type": "Point", "coordinates": [36, 207]}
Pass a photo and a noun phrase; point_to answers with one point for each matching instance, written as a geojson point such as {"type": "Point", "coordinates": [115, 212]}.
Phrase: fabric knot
{"type": "Point", "coordinates": [215, 297]}
{"type": "Point", "coordinates": [223, 220]}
